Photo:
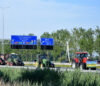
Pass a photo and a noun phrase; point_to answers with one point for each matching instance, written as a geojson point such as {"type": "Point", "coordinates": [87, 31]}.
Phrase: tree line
{"type": "Point", "coordinates": [80, 39]}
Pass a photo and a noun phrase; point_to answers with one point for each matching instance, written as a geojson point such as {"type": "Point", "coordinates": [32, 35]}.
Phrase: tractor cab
{"type": "Point", "coordinates": [44, 61]}
{"type": "Point", "coordinates": [81, 55]}
{"type": "Point", "coordinates": [14, 59]}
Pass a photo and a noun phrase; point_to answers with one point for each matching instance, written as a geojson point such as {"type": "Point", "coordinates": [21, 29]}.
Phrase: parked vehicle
{"type": "Point", "coordinates": [47, 63]}
{"type": "Point", "coordinates": [14, 59]}
{"type": "Point", "coordinates": [81, 61]}
{"type": "Point", "coordinates": [44, 62]}
{"type": "Point", "coordinates": [11, 59]}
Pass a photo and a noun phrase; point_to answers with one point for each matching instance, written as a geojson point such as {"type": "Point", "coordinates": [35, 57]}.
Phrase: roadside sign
{"type": "Point", "coordinates": [47, 43]}
{"type": "Point", "coordinates": [23, 42]}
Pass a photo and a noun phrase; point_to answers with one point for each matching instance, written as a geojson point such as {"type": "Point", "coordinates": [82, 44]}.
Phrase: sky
{"type": "Point", "coordinates": [22, 17]}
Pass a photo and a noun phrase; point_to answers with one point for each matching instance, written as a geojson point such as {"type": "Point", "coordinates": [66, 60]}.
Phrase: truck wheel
{"type": "Point", "coordinates": [73, 65]}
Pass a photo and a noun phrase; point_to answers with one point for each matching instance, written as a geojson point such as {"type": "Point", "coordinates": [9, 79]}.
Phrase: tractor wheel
{"type": "Point", "coordinates": [22, 64]}
{"type": "Point", "coordinates": [11, 64]}
{"type": "Point", "coordinates": [74, 65]}
{"type": "Point", "coordinates": [52, 66]}
{"type": "Point", "coordinates": [83, 66]}
{"type": "Point", "coordinates": [0, 62]}
{"type": "Point", "coordinates": [43, 65]}
{"type": "Point", "coordinates": [3, 63]}
{"type": "Point", "coordinates": [8, 63]}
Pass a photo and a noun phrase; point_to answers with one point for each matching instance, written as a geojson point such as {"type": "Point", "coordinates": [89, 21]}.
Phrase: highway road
{"type": "Point", "coordinates": [59, 68]}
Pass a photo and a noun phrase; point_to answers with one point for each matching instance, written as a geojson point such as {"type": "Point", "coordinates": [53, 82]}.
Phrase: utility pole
{"type": "Point", "coordinates": [67, 50]}
{"type": "Point", "coordinates": [3, 8]}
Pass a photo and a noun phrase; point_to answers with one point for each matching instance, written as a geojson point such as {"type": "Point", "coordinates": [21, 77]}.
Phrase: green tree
{"type": "Point", "coordinates": [97, 40]}
{"type": "Point", "coordinates": [60, 38]}
{"type": "Point", "coordinates": [86, 40]}
{"type": "Point", "coordinates": [46, 35]}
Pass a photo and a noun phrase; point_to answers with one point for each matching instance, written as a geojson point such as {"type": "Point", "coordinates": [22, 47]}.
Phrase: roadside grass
{"type": "Point", "coordinates": [47, 77]}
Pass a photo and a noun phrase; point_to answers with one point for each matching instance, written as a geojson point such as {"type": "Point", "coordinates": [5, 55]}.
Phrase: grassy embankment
{"type": "Point", "coordinates": [46, 77]}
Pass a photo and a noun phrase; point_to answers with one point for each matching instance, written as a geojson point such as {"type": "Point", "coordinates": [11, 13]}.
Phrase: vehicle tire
{"type": "Point", "coordinates": [8, 63]}
{"type": "Point", "coordinates": [11, 64]}
{"type": "Point", "coordinates": [74, 65]}
{"type": "Point", "coordinates": [0, 62]}
{"type": "Point", "coordinates": [3, 63]}
{"type": "Point", "coordinates": [93, 68]}
{"type": "Point", "coordinates": [87, 68]}
{"type": "Point", "coordinates": [52, 66]}
{"type": "Point", "coordinates": [82, 66]}
{"type": "Point", "coordinates": [43, 65]}
{"type": "Point", "coordinates": [23, 64]}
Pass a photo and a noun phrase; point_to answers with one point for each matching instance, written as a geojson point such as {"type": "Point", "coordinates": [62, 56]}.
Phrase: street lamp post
{"type": "Point", "coordinates": [3, 8]}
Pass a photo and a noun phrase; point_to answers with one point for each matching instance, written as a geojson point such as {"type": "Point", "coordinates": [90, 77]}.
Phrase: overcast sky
{"type": "Point", "coordinates": [38, 16]}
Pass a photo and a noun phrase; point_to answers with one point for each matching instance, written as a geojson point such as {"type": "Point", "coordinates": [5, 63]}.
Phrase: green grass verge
{"type": "Point", "coordinates": [46, 77]}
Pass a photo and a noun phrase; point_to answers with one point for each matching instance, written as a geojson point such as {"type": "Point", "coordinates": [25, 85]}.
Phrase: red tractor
{"type": "Point", "coordinates": [81, 61]}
